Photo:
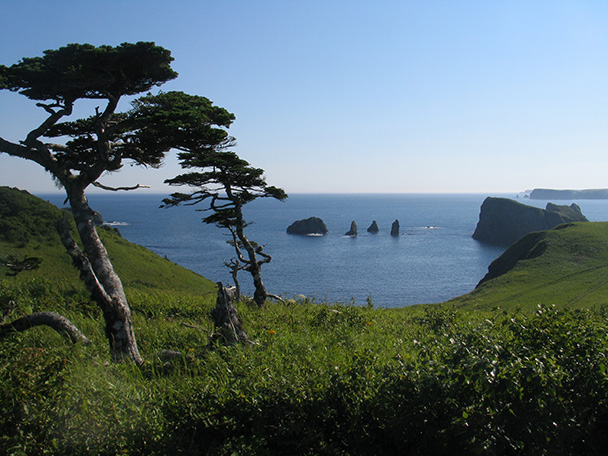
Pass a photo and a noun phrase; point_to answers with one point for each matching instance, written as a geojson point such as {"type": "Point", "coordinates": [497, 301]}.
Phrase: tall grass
{"type": "Point", "coordinates": [321, 379]}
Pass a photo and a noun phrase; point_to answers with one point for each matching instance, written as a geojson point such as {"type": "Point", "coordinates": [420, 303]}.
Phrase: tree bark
{"type": "Point", "coordinates": [228, 326]}
{"type": "Point", "coordinates": [253, 265]}
{"type": "Point", "coordinates": [59, 323]}
{"type": "Point", "coordinates": [102, 281]}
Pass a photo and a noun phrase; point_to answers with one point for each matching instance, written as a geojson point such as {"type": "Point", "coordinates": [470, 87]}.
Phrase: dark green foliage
{"type": "Point", "coordinates": [85, 71]}
{"type": "Point", "coordinates": [513, 385]}
{"type": "Point", "coordinates": [237, 182]}
{"type": "Point", "coordinates": [155, 124]}
{"type": "Point", "coordinates": [181, 121]}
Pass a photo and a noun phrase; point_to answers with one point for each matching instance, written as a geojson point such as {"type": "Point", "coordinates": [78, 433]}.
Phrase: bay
{"type": "Point", "coordinates": [434, 258]}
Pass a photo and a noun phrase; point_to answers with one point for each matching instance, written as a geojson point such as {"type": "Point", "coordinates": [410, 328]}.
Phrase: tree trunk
{"type": "Point", "coordinates": [260, 294]}
{"type": "Point", "coordinates": [228, 326]}
{"type": "Point", "coordinates": [109, 294]}
{"type": "Point", "coordinates": [254, 268]}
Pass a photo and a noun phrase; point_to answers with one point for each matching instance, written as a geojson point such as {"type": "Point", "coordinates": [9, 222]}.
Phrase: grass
{"type": "Point", "coordinates": [27, 229]}
{"type": "Point", "coordinates": [487, 373]}
{"type": "Point", "coordinates": [566, 266]}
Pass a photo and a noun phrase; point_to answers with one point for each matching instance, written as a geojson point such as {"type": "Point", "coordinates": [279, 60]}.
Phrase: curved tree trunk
{"type": "Point", "coordinates": [59, 323]}
{"type": "Point", "coordinates": [103, 282]}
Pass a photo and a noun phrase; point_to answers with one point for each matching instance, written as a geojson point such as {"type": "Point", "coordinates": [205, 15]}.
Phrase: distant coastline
{"type": "Point", "coordinates": [550, 194]}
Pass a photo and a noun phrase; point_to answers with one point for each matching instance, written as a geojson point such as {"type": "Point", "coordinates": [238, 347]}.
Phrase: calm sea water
{"type": "Point", "coordinates": [434, 259]}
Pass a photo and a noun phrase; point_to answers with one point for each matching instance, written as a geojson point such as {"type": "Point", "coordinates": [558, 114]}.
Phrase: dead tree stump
{"type": "Point", "coordinates": [228, 326]}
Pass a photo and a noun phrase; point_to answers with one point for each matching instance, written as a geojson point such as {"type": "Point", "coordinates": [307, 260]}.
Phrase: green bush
{"type": "Point", "coordinates": [321, 380]}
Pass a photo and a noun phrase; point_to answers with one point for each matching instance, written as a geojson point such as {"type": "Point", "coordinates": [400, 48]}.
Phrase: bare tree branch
{"type": "Point", "coordinates": [188, 325]}
{"type": "Point", "coordinates": [49, 107]}
{"type": "Point", "coordinates": [116, 189]}
{"type": "Point", "coordinates": [54, 116]}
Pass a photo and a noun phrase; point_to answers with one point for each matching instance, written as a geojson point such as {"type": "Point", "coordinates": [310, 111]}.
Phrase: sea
{"type": "Point", "coordinates": [433, 259]}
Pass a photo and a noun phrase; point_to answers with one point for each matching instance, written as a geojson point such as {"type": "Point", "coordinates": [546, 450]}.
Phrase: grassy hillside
{"type": "Point", "coordinates": [321, 379]}
{"type": "Point", "coordinates": [27, 230]}
{"type": "Point", "coordinates": [565, 266]}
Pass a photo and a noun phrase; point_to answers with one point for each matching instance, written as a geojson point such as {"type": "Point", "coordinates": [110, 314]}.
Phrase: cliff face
{"type": "Point", "coordinates": [503, 221]}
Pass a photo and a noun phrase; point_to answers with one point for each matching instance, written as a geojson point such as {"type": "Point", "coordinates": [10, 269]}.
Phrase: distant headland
{"type": "Point", "coordinates": [549, 194]}
{"type": "Point", "coordinates": [503, 221]}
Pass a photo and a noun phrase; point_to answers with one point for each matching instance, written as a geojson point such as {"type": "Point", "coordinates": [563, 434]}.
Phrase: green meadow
{"type": "Point", "coordinates": [518, 366]}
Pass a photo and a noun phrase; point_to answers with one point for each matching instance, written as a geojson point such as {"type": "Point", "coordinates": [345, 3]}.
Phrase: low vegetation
{"type": "Point", "coordinates": [478, 375]}
{"type": "Point", "coordinates": [566, 266]}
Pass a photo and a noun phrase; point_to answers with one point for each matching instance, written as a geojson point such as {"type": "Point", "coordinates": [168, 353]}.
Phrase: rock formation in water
{"type": "Point", "coordinates": [395, 228]}
{"type": "Point", "coordinates": [503, 221]}
{"type": "Point", "coordinates": [312, 225]}
{"type": "Point", "coordinates": [353, 229]}
{"type": "Point", "coordinates": [373, 228]}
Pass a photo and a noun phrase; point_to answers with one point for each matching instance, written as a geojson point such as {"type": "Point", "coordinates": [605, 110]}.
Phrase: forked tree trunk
{"type": "Point", "coordinates": [103, 282]}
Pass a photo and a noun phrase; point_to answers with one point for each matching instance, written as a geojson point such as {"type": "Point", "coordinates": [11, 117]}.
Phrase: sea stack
{"type": "Point", "coordinates": [373, 228]}
{"type": "Point", "coordinates": [309, 226]}
{"type": "Point", "coordinates": [353, 230]}
{"type": "Point", "coordinates": [395, 228]}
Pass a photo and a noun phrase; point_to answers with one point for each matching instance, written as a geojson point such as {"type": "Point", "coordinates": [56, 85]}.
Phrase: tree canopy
{"type": "Point", "coordinates": [84, 71]}
{"type": "Point", "coordinates": [144, 134]}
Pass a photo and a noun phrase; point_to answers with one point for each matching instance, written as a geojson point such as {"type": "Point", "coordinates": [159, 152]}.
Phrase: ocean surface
{"type": "Point", "coordinates": [434, 259]}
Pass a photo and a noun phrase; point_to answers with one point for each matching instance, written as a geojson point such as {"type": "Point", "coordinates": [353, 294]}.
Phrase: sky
{"type": "Point", "coordinates": [352, 96]}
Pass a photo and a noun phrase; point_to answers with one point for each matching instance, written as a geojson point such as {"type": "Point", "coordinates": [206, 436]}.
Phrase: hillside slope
{"type": "Point", "coordinates": [28, 237]}
{"type": "Point", "coordinates": [565, 266]}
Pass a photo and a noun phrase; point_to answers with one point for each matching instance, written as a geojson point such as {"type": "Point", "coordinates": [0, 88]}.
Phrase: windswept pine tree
{"type": "Point", "coordinates": [105, 141]}
{"type": "Point", "coordinates": [227, 183]}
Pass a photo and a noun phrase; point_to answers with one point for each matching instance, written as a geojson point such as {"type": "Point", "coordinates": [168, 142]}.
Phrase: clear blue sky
{"type": "Point", "coordinates": [359, 96]}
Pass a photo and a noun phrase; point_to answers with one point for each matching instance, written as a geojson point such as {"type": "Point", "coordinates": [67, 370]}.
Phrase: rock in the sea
{"type": "Point", "coordinates": [353, 229]}
{"type": "Point", "coordinates": [395, 228]}
{"type": "Point", "coordinates": [503, 221]}
{"type": "Point", "coordinates": [312, 225]}
{"type": "Point", "coordinates": [373, 228]}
